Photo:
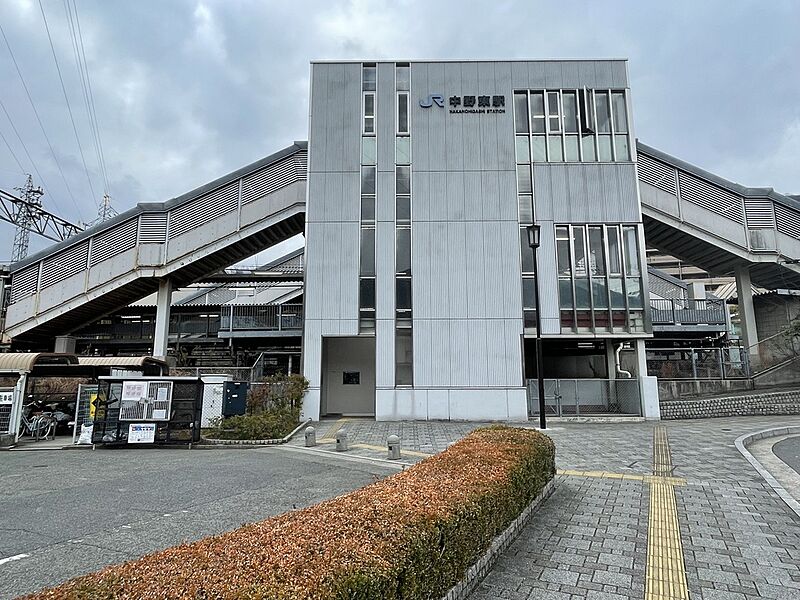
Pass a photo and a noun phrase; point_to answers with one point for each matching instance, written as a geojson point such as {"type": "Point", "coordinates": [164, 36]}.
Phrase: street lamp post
{"type": "Point", "coordinates": [534, 232]}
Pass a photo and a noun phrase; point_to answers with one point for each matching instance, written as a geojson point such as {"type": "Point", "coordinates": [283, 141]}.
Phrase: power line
{"type": "Point", "coordinates": [39, 119]}
{"type": "Point", "coordinates": [10, 149]}
{"type": "Point", "coordinates": [86, 84]}
{"type": "Point", "coordinates": [66, 99]}
{"type": "Point", "coordinates": [28, 154]}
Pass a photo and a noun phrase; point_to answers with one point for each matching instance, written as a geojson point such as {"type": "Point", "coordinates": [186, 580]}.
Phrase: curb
{"type": "Point", "coordinates": [745, 440]}
{"type": "Point", "coordinates": [484, 564]}
{"type": "Point", "coordinates": [213, 442]}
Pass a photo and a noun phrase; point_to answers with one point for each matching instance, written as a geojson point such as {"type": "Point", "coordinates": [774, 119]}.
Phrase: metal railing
{"type": "Point", "coordinates": [698, 363]}
{"type": "Point", "coordinates": [576, 397]}
{"type": "Point", "coordinates": [685, 311]}
{"type": "Point", "coordinates": [270, 317]}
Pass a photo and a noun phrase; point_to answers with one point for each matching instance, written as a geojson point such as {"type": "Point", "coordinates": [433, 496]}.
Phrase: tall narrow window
{"type": "Point", "coordinates": [402, 113]}
{"type": "Point", "coordinates": [369, 113]}
{"type": "Point", "coordinates": [366, 282]}
{"type": "Point", "coordinates": [368, 78]}
{"type": "Point", "coordinates": [521, 112]}
{"type": "Point", "coordinates": [404, 356]}
{"type": "Point", "coordinates": [403, 77]}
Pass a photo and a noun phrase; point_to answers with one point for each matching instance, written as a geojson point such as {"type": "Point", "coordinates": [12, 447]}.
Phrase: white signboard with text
{"type": "Point", "coordinates": [141, 433]}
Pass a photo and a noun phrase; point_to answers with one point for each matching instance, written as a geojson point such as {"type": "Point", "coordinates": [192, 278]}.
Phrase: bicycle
{"type": "Point", "coordinates": [37, 426]}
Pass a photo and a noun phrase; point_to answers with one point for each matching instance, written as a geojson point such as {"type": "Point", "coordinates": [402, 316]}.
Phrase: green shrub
{"type": "Point", "coordinates": [412, 535]}
{"type": "Point", "coordinates": [273, 411]}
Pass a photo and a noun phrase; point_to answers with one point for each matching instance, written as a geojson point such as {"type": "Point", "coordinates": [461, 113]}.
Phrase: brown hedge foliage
{"type": "Point", "coordinates": [410, 536]}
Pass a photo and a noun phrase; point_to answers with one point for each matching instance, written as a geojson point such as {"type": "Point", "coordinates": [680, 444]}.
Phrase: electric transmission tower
{"type": "Point", "coordinates": [27, 212]}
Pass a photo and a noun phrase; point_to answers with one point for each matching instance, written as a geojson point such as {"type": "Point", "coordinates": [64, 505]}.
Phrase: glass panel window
{"type": "Point", "coordinates": [403, 263]}
{"type": "Point", "coordinates": [526, 209]}
{"type": "Point", "coordinates": [553, 112]}
{"type": "Point", "coordinates": [404, 357]}
{"type": "Point", "coordinates": [403, 209]}
{"type": "Point", "coordinates": [597, 265]}
{"type": "Point", "coordinates": [620, 112]}
{"type": "Point", "coordinates": [562, 251]}
{"type": "Point", "coordinates": [537, 112]}
{"type": "Point", "coordinates": [600, 293]}
{"type": "Point", "coordinates": [633, 287]}
{"type": "Point", "coordinates": [539, 150]}
{"type": "Point", "coordinates": [368, 252]}
{"type": "Point", "coordinates": [402, 112]}
{"type": "Point", "coordinates": [524, 184]}
{"type": "Point", "coordinates": [368, 150]}
{"type": "Point", "coordinates": [403, 289]}
{"type": "Point", "coordinates": [614, 265]}
{"type": "Point", "coordinates": [602, 112]}
{"type": "Point", "coordinates": [621, 145]}
{"type": "Point", "coordinates": [582, 294]}
{"type": "Point", "coordinates": [565, 293]}
{"type": "Point", "coordinates": [367, 180]}
{"type": "Point", "coordinates": [368, 78]}
{"type": "Point", "coordinates": [367, 208]}
{"type": "Point", "coordinates": [587, 143]}
{"type": "Point", "coordinates": [570, 112]}
{"type": "Point", "coordinates": [403, 77]}
{"type": "Point", "coordinates": [369, 113]}
{"type": "Point", "coordinates": [366, 293]}
{"type": "Point", "coordinates": [617, 296]}
{"type": "Point", "coordinates": [403, 180]}
{"type": "Point", "coordinates": [528, 293]}
{"type": "Point", "coordinates": [571, 148]}
{"type": "Point", "coordinates": [522, 149]}
{"type": "Point", "coordinates": [587, 110]}
{"type": "Point", "coordinates": [403, 150]}
{"type": "Point", "coordinates": [604, 148]}
{"type": "Point", "coordinates": [579, 251]}
{"type": "Point", "coordinates": [631, 251]}
{"type": "Point", "coordinates": [525, 251]}
{"type": "Point", "coordinates": [554, 144]}
{"type": "Point", "coordinates": [521, 112]}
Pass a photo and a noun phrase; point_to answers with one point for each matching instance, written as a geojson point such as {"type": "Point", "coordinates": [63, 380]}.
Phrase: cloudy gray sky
{"type": "Point", "coordinates": [188, 90]}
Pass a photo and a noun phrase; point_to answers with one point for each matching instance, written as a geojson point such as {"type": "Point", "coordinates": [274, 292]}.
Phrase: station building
{"type": "Point", "coordinates": [420, 287]}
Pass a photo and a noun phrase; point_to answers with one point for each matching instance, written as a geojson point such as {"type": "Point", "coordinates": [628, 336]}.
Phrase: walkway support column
{"type": "Point", "coordinates": [163, 304]}
{"type": "Point", "coordinates": [747, 315]}
{"type": "Point", "coordinates": [648, 384]}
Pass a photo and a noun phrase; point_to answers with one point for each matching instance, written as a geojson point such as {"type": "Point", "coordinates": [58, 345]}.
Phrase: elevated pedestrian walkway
{"type": "Point", "coordinates": [182, 240]}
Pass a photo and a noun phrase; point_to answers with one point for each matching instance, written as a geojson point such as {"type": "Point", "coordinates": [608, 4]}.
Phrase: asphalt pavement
{"type": "Point", "coordinates": [65, 513]}
{"type": "Point", "coordinates": [789, 452]}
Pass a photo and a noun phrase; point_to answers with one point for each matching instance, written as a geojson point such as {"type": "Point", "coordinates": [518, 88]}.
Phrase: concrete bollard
{"type": "Point", "coordinates": [341, 441]}
{"type": "Point", "coordinates": [394, 447]}
{"type": "Point", "coordinates": [311, 437]}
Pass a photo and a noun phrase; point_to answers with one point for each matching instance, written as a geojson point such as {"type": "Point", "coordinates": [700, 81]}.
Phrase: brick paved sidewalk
{"type": "Point", "coordinates": [591, 539]}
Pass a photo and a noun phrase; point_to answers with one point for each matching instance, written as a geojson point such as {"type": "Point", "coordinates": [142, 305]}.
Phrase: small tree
{"type": "Point", "coordinates": [276, 392]}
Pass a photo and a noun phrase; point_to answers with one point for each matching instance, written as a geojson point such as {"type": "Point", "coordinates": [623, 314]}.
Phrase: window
{"type": "Point", "coordinates": [367, 208]}
{"type": "Point", "coordinates": [403, 150]}
{"type": "Point", "coordinates": [368, 78]}
{"type": "Point", "coordinates": [368, 150]}
{"type": "Point", "coordinates": [524, 182]}
{"type": "Point", "coordinates": [525, 251]}
{"type": "Point", "coordinates": [403, 210]}
{"type": "Point", "coordinates": [403, 77]}
{"type": "Point", "coordinates": [402, 113]}
{"type": "Point", "coordinates": [368, 180]}
{"type": "Point", "coordinates": [403, 262]}
{"type": "Point", "coordinates": [366, 293]}
{"type": "Point", "coordinates": [403, 296]}
{"type": "Point", "coordinates": [368, 252]}
{"type": "Point", "coordinates": [599, 283]}
{"type": "Point", "coordinates": [404, 357]}
{"type": "Point", "coordinates": [572, 125]}
{"type": "Point", "coordinates": [369, 113]}
{"type": "Point", "coordinates": [403, 180]}
{"type": "Point", "coordinates": [351, 378]}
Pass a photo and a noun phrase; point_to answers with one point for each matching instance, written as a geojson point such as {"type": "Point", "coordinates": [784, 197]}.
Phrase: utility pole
{"type": "Point", "coordinates": [27, 213]}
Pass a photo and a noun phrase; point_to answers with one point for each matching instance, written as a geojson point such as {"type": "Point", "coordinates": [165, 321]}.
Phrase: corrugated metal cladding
{"type": "Point", "coordinates": [59, 267]}
{"type": "Point", "coordinates": [711, 197]}
{"type": "Point", "coordinates": [113, 242]}
{"type": "Point", "coordinates": [25, 282]}
{"type": "Point", "coordinates": [272, 178]}
{"type": "Point", "coordinates": [760, 213]}
{"type": "Point", "coordinates": [788, 221]}
{"type": "Point", "coordinates": [152, 228]}
{"type": "Point", "coordinates": [198, 212]}
{"type": "Point", "coordinates": [657, 174]}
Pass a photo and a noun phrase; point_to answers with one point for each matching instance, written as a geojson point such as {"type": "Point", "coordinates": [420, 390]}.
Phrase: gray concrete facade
{"type": "Point", "coordinates": [466, 262]}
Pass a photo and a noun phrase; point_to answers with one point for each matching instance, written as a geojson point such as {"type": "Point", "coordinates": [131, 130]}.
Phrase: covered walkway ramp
{"type": "Point", "coordinates": [158, 247]}
{"type": "Point", "coordinates": [721, 226]}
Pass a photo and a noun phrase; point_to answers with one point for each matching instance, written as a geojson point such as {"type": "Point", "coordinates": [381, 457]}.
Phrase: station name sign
{"type": "Point", "coordinates": [469, 104]}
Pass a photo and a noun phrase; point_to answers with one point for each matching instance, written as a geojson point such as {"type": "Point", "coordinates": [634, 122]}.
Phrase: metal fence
{"type": "Point", "coordinates": [272, 317]}
{"type": "Point", "coordinates": [698, 363]}
{"type": "Point", "coordinates": [685, 311]}
{"type": "Point", "coordinates": [235, 373]}
{"type": "Point", "coordinates": [576, 397]}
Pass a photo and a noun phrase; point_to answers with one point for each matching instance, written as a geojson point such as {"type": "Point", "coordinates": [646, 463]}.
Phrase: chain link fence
{"type": "Point", "coordinates": [576, 397]}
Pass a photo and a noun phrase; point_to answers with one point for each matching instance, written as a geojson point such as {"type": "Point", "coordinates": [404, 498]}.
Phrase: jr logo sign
{"type": "Point", "coordinates": [428, 102]}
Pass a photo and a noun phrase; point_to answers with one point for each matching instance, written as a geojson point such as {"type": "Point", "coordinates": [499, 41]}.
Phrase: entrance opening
{"type": "Point", "coordinates": [348, 376]}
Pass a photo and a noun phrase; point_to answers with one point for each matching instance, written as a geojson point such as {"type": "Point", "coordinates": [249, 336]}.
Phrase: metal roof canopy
{"type": "Point", "coordinates": [51, 364]}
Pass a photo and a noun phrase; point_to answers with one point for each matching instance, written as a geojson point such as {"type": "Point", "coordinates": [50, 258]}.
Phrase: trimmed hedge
{"type": "Point", "coordinates": [412, 535]}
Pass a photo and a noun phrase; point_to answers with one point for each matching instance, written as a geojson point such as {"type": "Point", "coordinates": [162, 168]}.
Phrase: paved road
{"type": "Point", "coordinates": [789, 452]}
{"type": "Point", "coordinates": [72, 512]}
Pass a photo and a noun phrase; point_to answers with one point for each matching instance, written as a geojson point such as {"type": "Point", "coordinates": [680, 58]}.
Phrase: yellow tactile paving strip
{"type": "Point", "coordinates": [666, 571]}
{"type": "Point", "coordinates": [331, 433]}
{"type": "Point", "coordinates": [626, 476]}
